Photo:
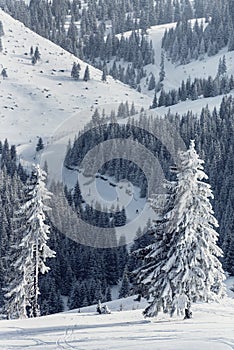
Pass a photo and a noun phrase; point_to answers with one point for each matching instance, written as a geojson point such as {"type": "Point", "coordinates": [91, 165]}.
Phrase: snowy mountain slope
{"type": "Point", "coordinates": [43, 100]}
{"type": "Point", "coordinates": [34, 100]}
{"type": "Point", "coordinates": [210, 329]}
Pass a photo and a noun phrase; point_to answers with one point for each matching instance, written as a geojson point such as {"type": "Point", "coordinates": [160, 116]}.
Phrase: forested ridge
{"type": "Point", "coordinates": [213, 132]}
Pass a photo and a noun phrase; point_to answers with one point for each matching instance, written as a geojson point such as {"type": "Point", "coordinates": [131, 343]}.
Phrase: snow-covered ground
{"type": "Point", "coordinates": [35, 100]}
{"type": "Point", "coordinates": [211, 328]}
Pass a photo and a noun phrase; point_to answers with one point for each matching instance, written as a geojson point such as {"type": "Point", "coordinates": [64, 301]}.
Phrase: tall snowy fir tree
{"type": "Point", "coordinates": [162, 68]}
{"type": "Point", "coordinates": [125, 286]}
{"type": "Point", "coordinates": [182, 266]}
{"type": "Point", "coordinates": [33, 251]}
{"type": "Point", "coordinates": [86, 74]}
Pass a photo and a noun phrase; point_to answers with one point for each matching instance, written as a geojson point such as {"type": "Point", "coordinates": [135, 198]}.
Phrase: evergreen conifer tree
{"type": "Point", "coordinates": [4, 72]}
{"type": "Point", "coordinates": [37, 54]}
{"type": "Point", "coordinates": [162, 69]}
{"type": "Point", "coordinates": [1, 29]}
{"type": "Point", "coordinates": [152, 82]}
{"type": "Point", "coordinates": [86, 74]}
{"type": "Point", "coordinates": [104, 73]}
{"type": "Point", "coordinates": [182, 267]}
{"type": "Point", "coordinates": [155, 101]}
{"type": "Point", "coordinates": [162, 97]}
{"type": "Point", "coordinates": [40, 145]}
{"type": "Point", "coordinates": [33, 60]}
{"type": "Point", "coordinates": [23, 292]}
{"type": "Point", "coordinates": [125, 286]}
{"type": "Point", "coordinates": [230, 36]}
{"type": "Point", "coordinates": [75, 72]}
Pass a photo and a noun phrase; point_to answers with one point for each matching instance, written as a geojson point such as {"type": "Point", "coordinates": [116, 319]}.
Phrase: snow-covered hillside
{"type": "Point", "coordinates": [211, 328]}
{"type": "Point", "coordinates": [196, 69]}
{"type": "Point", "coordinates": [43, 100]}
{"type": "Point", "coordinates": [35, 100]}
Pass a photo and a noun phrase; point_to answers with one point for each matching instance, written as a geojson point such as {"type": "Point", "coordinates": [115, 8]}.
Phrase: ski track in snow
{"type": "Point", "coordinates": [210, 329]}
{"type": "Point", "coordinates": [63, 341]}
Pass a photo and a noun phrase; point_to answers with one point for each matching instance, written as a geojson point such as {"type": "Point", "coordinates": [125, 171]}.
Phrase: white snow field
{"type": "Point", "coordinates": [211, 328]}
{"type": "Point", "coordinates": [35, 100]}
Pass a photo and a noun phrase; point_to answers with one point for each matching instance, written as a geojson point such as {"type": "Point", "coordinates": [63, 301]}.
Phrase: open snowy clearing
{"type": "Point", "coordinates": [122, 194]}
{"type": "Point", "coordinates": [211, 328]}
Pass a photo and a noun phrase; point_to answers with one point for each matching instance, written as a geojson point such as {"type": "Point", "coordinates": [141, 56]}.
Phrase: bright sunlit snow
{"type": "Point", "coordinates": [211, 328]}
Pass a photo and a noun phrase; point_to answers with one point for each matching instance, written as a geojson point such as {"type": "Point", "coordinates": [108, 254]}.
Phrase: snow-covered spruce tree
{"type": "Point", "coordinates": [162, 68]}
{"type": "Point", "coordinates": [15, 300]}
{"type": "Point", "coordinates": [86, 74]}
{"type": "Point", "coordinates": [18, 291]}
{"type": "Point", "coordinates": [39, 145]}
{"type": "Point", "coordinates": [23, 291]}
{"type": "Point", "coordinates": [1, 29]}
{"type": "Point", "coordinates": [75, 72]}
{"type": "Point", "coordinates": [182, 266]}
{"type": "Point", "coordinates": [125, 286]}
{"type": "Point", "coordinates": [1, 47]}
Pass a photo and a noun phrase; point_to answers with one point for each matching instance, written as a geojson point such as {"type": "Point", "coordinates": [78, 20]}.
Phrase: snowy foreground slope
{"type": "Point", "coordinates": [211, 328]}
